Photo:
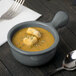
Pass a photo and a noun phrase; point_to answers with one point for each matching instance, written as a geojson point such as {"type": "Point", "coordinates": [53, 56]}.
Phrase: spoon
{"type": "Point", "coordinates": [69, 63]}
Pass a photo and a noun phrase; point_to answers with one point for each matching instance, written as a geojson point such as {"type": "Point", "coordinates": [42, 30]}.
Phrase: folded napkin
{"type": "Point", "coordinates": [25, 14]}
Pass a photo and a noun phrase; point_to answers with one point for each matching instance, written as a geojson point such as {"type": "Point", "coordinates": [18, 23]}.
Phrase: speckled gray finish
{"type": "Point", "coordinates": [40, 57]}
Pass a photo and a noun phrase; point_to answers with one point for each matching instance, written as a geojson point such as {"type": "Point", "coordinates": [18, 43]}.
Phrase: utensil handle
{"type": "Point", "coordinates": [53, 72]}
{"type": "Point", "coordinates": [60, 19]}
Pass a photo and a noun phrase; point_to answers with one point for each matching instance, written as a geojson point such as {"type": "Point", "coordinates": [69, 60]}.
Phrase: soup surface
{"type": "Point", "coordinates": [46, 40]}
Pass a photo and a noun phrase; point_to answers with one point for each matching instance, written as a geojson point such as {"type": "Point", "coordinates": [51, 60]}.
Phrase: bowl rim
{"type": "Point", "coordinates": [37, 52]}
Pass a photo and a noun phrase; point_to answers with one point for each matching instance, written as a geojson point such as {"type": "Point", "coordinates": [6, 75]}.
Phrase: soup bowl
{"type": "Point", "coordinates": [40, 57]}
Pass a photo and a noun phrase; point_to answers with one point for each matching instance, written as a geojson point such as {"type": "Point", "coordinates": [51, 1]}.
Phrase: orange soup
{"type": "Point", "coordinates": [46, 40]}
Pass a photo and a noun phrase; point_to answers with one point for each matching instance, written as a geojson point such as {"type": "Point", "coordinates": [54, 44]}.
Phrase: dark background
{"type": "Point", "coordinates": [10, 67]}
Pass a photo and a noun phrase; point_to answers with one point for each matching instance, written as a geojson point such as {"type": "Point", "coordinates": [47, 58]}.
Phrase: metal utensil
{"type": "Point", "coordinates": [12, 11]}
{"type": "Point", "coordinates": [69, 63]}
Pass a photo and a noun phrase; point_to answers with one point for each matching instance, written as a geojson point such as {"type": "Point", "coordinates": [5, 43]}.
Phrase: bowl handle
{"type": "Point", "coordinates": [59, 20]}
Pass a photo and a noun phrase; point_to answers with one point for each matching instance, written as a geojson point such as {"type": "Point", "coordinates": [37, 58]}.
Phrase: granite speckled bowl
{"type": "Point", "coordinates": [40, 57]}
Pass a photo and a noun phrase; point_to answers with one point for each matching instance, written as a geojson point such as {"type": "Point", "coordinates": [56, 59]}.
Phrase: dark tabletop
{"type": "Point", "coordinates": [10, 67]}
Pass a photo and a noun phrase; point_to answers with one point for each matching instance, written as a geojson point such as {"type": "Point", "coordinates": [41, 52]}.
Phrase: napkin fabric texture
{"type": "Point", "coordinates": [25, 14]}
